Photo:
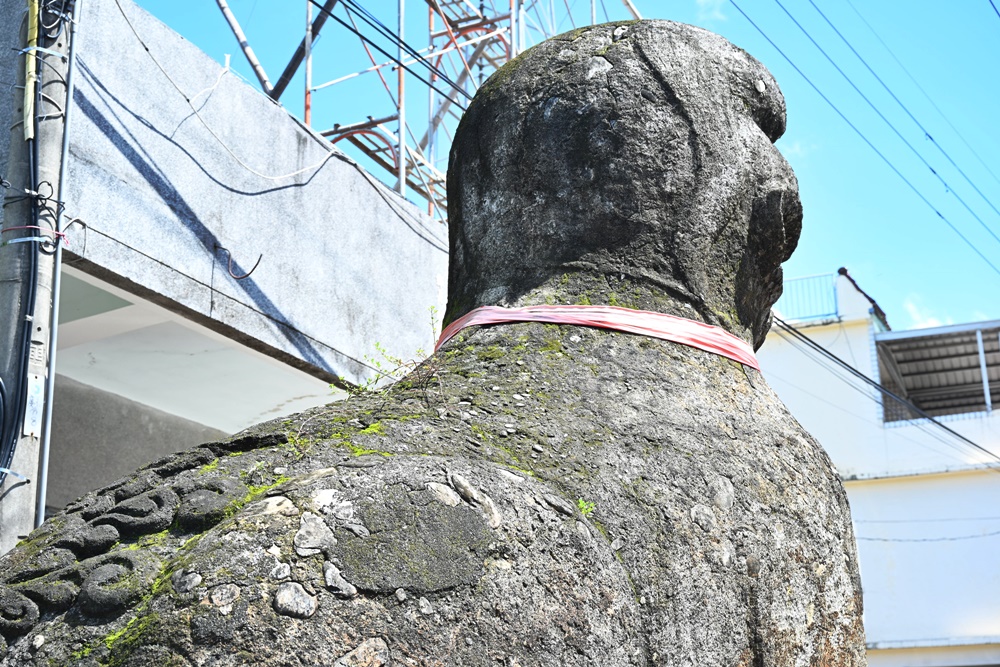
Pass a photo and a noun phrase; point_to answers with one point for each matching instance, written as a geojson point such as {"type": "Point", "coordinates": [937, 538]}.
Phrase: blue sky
{"type": "Point", "coordinates": [859, 213]}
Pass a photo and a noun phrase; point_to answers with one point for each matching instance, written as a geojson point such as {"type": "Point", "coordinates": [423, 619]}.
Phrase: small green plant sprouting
{"type": "Point", "coordinates": [255, 475]}
{"type": "Point", "coordinates": [298, 445]}
{"type": "Point", "coordinates": [586, 507]}
{"type": "Point", "coordinates": [389, 367]}
{"type": "Point", "coordinates": [434, 321]}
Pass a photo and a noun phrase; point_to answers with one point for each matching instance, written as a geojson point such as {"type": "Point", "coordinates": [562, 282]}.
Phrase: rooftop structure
{"type": "Point", "coordinates": [950, 370]}
{"type": "Point", "coordinates": [906, 419]}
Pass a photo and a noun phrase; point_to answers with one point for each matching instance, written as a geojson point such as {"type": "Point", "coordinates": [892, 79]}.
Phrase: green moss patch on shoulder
{"type": "Point", "coordinates": [123, 642]}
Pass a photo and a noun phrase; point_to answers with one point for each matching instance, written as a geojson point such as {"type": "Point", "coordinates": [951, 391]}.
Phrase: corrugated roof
{"type": "Point", "coordinates": [941, 370]}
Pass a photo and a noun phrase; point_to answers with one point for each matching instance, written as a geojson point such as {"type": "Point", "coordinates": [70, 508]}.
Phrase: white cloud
{"type": "Point", "coordinates": [795, 149]}
{"type": "Point", "coordinates": [920, 316]}
{"type": "Point", "coordinates": [710, 10]}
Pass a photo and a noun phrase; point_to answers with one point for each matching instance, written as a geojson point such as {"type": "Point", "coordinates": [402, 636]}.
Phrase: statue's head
{"type": "Point", "coordinates": [642, 150]}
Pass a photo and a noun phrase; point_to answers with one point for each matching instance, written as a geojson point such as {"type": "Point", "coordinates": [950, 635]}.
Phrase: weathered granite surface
{"type": "Point", "coordinates": [531, 494]}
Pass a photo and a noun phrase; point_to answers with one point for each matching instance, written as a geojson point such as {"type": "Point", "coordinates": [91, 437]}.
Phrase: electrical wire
{"type": "Point", "coordinates": [60, 22]}
{"type": "Point", "coordinates": [892, 127]}
{"type": "Point", "coordinates": [822, 361]}
{"type": "Point", "coordinates": [379, 27]}
{"type": "Point", "coordinates": [908, 112]}
{"type": "Point", "coordinates": [891, 521]}
{"type": "Point", "coordinates": [398, 62]}
{"type": "Point", "coordinates": [9, 431]}
{"type": "Point", "coordinates": [837, 372]}
{"type": "Point", "coordinates": [924, 92]}
{"type": "Point", "coordinates": [604, 9]}
{"type": "Point", "coordinates": [955, 519]}
{"type": "Point", "coordinates": [332, 154]}
{"type": "Point", "coordinates": [773, 376]}
{"type": "Point", "coordinates": [855, 372]}
{"type": "Point", "coordinates": [927, 539]}
{"type": "Point", "coordinates": [569, 15]}
{"type": "Point", "coordinates": [869, 143]}
{"type": "Point", "coordinates": [995, 8]}
{"type": "Point", "coordinates": [197, 113]}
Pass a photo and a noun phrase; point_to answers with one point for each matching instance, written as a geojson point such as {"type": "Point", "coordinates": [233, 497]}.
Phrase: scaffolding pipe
{"type": "Point", "coordinates": [258, 70]}
{"type": "Point", "coordinates": [425, 56]}
{"type": "Point", "coordinates": [364, 125]}
{"type": "Point", "coordinates": [632, 10]}
{"type": "Point", "coordinates": [512, 47]}
{"type": "Point", "coordinates": [449, 99]}
{"type": "Point", "coordinates": [46, 443]}
{"type": "Point", "coordinates": [401, 151]}
{"type": "Point", "coordinates": [309, 64]}
{"type": "Point", "coordinates": [300, 52]}
{"type": "Point", "coordinates": [451, 37]}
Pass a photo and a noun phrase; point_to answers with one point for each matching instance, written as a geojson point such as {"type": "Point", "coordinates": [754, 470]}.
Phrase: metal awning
{"type": "Point", "coordinates": [944, 371]}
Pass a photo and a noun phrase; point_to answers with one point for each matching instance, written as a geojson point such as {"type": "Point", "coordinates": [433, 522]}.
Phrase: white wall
{"type": "Point", "coordinates": [928, 549]}
{"type": "Point", "coordinates": [164, 185]}
{"type": "Point", "coordinates": [846, 416]}
{"type": "Point", "coordinates": [930, 602]}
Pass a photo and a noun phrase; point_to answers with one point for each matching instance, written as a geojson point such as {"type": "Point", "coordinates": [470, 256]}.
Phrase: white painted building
{"type": "Point", "coordinates": [925, 501]}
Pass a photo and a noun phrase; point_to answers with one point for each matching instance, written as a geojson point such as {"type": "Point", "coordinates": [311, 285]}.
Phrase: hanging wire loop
{"type": "Point", "coordinates": [230, 264]}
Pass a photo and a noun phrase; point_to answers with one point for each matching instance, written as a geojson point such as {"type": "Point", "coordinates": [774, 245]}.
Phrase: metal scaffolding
{"type": "Point", "coordinates": [468, 41]}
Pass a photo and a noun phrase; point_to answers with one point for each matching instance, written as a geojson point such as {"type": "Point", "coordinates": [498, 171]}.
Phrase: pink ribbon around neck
{"type": "Point", "coordinates": [642, 322]}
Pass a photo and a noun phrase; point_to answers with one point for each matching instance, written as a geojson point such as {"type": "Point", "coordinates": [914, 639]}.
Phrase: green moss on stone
{"type": "Point", "coordinates": [373, 429]}
{"type": "Point", "coordinates": [209, 467]}
{"type": "Point", "coordinates": [123, 642]}
{"type": "Point", "coordinates": [490, 353]}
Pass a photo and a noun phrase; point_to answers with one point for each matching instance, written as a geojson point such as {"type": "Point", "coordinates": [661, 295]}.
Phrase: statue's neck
{"type": "Point", "coordinates": [638, 292]}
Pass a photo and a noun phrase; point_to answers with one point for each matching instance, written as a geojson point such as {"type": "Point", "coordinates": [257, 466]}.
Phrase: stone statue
{"type": "Point", "coordinates": [532, 494]}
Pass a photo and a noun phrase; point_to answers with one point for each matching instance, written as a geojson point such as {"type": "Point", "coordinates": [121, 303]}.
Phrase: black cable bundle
{"type": "Point", "coordinates": [13, 401]}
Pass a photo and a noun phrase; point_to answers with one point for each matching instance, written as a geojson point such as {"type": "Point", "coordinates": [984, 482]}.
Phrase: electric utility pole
{"type": "Point", "coordinates": [28, 262]}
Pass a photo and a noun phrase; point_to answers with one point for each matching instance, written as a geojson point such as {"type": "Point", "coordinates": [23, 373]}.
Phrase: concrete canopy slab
{"type": "Point", "coordinates": [158, 359]}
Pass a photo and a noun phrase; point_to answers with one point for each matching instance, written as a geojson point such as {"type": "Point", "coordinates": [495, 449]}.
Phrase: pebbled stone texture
{"type": "Point", "coordinates": [531, 494]}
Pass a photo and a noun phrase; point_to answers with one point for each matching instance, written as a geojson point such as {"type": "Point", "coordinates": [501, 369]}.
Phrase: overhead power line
{"type": "Point", "coordinates": [377, 25]}
{"type": "Point", "coordinates": [957, 538]}
{"type": "Point", "coordinates": [864, 138]}
{"type": "Point", "coordinates": [772, 376]}
{"type": "Point", "coordinates": [892, 127]}
{"type": "Point", "coordinates": [924, 93]}
{"type": "Point", "coordinates": [917, 122]}
{"type": "Point", "coordinates": [864, 378]}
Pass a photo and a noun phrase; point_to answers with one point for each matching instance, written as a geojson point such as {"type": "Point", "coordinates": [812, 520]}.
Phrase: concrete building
{"type": "Point", "coordinates": [924, 500]}
{"type": "Point", "coordinates": [224, 264]}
